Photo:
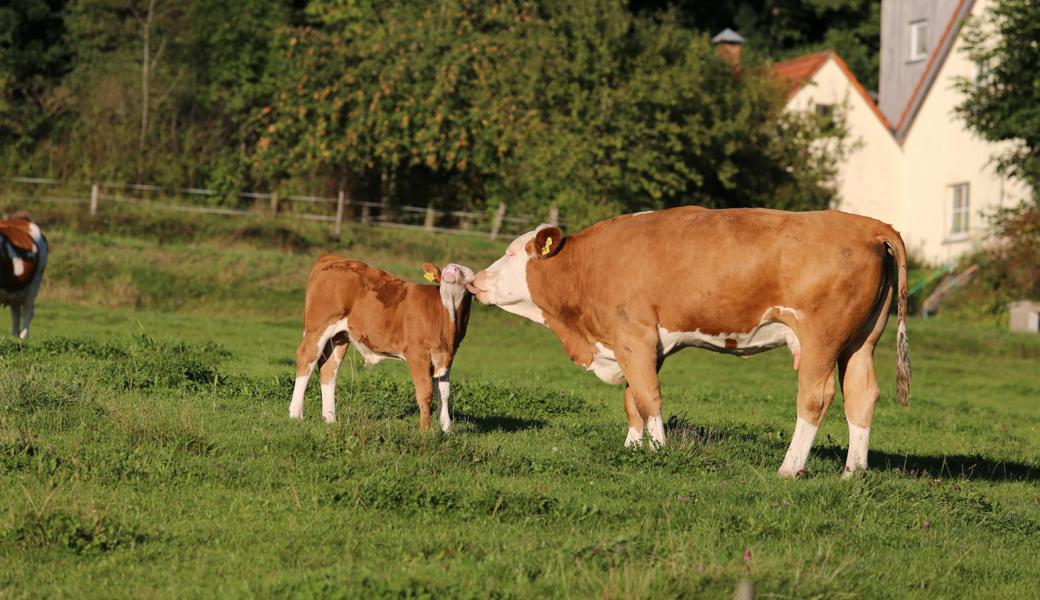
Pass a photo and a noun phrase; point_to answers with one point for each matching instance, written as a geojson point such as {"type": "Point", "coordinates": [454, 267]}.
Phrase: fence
{"type": "Point", "coordinates": [334, 210]}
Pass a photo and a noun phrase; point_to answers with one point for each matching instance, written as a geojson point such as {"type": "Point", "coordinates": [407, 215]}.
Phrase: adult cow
{"type": "Point", "coordinates": [625, 293]}
{"type": "Point", "coordinates": [23, 256]}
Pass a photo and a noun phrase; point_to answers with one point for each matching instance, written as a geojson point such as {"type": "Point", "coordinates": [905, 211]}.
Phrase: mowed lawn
{"type": "Point", "coordinates": [146, 451]}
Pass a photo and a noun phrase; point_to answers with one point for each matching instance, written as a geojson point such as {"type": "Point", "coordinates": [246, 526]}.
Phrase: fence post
{"type": "Point", "coordinates": [339, 212]}
{"type": "Point", "coordinates": [431, 216]}
{"type": "Point", "coordinates": [366, 214]}
{"type": "Point", "coordinates": [496, 225]}
{"type": "Point", "coordinates": [554, 216]}
{"type": "Point", "coordinates": [94, 193]}
{"type": "Point", "coordinates": [274, 202]}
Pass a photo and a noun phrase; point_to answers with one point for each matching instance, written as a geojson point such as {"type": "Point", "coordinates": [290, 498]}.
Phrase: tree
{"type": "Point", "coordinates": [1002, 103]}
{"type": "Point", "coordinates": [582, 105]}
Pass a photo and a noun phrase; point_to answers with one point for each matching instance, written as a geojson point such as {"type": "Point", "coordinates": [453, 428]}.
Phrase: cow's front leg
{"type": "Point", "coordinates": [637, 356]}
{"type": "Point", "coordinates": [442, 389]}
{"type": "Point", "coordinates": [420, 369]}
{"type": "Point", "coordinates": [635, 422]}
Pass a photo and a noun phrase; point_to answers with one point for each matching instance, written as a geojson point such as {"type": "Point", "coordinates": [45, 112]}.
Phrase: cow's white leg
{"type": "Point", "coordinates": [798, 452]}
{"type": "Point", "coordinates": [639, 365]}
{"type": "Point", "coordinates": [859, 441]}
{"type": "Point", "coordinates": [655, 426]}
{"type": "Point", "coordinates": [635, 422]}
{"type": "Point", "coordinates": [861, 391]}
{"type": "Point", "coordinates": [815, 393]}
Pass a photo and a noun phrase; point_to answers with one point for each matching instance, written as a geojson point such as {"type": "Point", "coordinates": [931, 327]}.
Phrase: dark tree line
{"type": "Point", "coordinates": [594, 106]}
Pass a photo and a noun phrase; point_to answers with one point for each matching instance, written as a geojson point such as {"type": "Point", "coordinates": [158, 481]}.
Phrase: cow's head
{"type": "Point", "coordinates": [453, 282]}
{"type": "Point", "coordinates": [504, 282]}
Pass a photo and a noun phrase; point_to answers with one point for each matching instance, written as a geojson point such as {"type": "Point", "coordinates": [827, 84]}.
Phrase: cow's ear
{"type": "Point", "coordinates": [547, 242]}
{"type": "Point", "coordinates": [431, 273]}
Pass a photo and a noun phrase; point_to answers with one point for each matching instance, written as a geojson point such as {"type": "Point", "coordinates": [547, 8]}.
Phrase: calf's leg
{"type": "Point", "coordinates": [332, 356]}
{"type": "Point", "coordinates": [442, 390]}
{"type": "Point", "coordinates": [419, 367]}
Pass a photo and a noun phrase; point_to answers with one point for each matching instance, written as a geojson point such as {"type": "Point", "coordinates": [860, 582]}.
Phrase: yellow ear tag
{"type": "Point", "coordinates": [548, 246]}
{"type": "Point", "coordinates": [428, 276]}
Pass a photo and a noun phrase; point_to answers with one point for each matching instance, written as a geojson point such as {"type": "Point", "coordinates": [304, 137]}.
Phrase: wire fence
{"type": "Point", "coordinates": [106, 196]}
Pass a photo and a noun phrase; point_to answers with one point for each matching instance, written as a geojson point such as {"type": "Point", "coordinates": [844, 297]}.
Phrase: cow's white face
{"type": "Point", "coordinates": [504, 282]}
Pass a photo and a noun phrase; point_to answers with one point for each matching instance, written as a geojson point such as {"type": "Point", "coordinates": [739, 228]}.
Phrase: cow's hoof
{"type": "Point", "coordinates": [296, 416]}
{"type": "Point", "coordinates": [851, 473]}
{"type": "Point", "coordinates": [791, 474]}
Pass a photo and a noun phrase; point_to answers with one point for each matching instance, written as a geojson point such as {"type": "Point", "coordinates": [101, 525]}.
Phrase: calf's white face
{"type": "Point", "coordinates": [454, 279]}
{"type": "Point", "coordinates": [504, 282]}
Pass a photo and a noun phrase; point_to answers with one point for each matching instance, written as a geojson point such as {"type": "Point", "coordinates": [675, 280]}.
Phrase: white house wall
{"type": "Point", "coordinates": [869, 179]}
{"type": "Point", "coordinates": [939, 152]}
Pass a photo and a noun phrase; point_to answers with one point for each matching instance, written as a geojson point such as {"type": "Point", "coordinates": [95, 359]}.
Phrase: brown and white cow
{"type": "Point", "coordinates": [384, 317]}
{"type": "Point", "coordinates": [23, 257]}
{"type": "Point", "coordinates": [627, 292]}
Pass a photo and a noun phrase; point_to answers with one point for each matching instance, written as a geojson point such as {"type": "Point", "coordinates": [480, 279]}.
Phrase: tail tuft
{"type": "Point", "coordinates": [903, 365]}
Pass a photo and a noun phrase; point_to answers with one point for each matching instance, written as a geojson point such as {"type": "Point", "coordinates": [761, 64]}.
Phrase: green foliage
{"type": "Point", "coordinates": [588, 106]}
{"type": "Point", "coordinates": [1009, 268]}
{"type": "Point", "coordinates": [580, 105]}
{"type": "Point", "coordinates": [1002, 104]}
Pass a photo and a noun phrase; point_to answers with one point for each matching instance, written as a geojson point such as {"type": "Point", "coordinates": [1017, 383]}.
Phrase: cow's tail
{"type": "Point", "coordinates": [894, 242]}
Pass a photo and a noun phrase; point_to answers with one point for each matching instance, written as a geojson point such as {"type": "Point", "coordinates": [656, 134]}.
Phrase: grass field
{"type": "Point", "coordinates": [145, 450]}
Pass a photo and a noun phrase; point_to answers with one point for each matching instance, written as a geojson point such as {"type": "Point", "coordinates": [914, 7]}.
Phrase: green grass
{"type": "Point", "coordinates": [145, 450]}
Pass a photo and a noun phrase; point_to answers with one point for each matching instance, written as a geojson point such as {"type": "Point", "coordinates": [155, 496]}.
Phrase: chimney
{"type": "Point", "coordinates": [727, 45]}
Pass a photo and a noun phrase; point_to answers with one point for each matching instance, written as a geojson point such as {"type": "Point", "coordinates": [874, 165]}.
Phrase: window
{"type": "Point", "coordinates": [960, 210]}
{"type": "Point", "coordinates": [979, 73]}
{"type": "Point", "coordinates": [825, 118]}
{"type": "Point", "coordinates": [918, 40]}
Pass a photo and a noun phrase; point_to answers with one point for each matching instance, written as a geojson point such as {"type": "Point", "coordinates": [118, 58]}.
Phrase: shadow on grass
{"type": "Point", "coordinates": [492, 424]}
{"type": "Point", "coordinates": [955, 466]}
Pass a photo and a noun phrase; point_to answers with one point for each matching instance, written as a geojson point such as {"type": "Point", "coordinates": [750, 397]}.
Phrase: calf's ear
{"type": "Point", "coordinates": [547, 242]}
{"type": "Point", "coordinates": [431, 273]}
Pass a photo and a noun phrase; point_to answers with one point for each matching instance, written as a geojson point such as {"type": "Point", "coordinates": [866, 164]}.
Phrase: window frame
{"type": "Point", "coordinates": [959, 215]}
{"type": "Point", "coordinates": [918, 34]}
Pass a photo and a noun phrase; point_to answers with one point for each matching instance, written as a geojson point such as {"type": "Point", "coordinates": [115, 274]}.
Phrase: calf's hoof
{"type": "Point", "coordinates": [853, 473]}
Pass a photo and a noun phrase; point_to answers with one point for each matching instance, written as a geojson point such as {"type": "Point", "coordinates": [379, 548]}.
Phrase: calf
{"type": "Point", "coordinates": [23, 256]}
{"type": "Point", "coordinates": [627, 292]}
{"type": "Point", "coordinates": [384, 317]}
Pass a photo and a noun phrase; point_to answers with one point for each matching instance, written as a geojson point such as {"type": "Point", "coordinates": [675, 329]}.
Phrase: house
{"type": "Point", "coordinates": [911, 161]}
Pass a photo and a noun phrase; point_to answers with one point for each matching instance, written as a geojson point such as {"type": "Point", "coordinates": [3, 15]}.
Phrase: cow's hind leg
{"type": "Point", "coordinates": [815, 394]}
{"type": "Point", "coordinates": [330, 359]}
{"type": "Point", "coordinates": [860, 391]}
{"type": "Point", "coordinates": [421, 371]}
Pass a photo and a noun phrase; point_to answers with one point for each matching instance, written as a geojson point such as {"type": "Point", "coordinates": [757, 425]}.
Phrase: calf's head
{"type": "Point", "coordinates": [504, 282]}
{"type": "Point", "coordinates": [452, 282]}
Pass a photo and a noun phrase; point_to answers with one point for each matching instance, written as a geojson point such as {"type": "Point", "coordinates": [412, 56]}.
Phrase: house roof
{"type": "Point", "coordinates": [800, 70]}
{"type": "Point", "coordinates": [931, 71]}
{"type": "Point", "coordinates": [727, 36]}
